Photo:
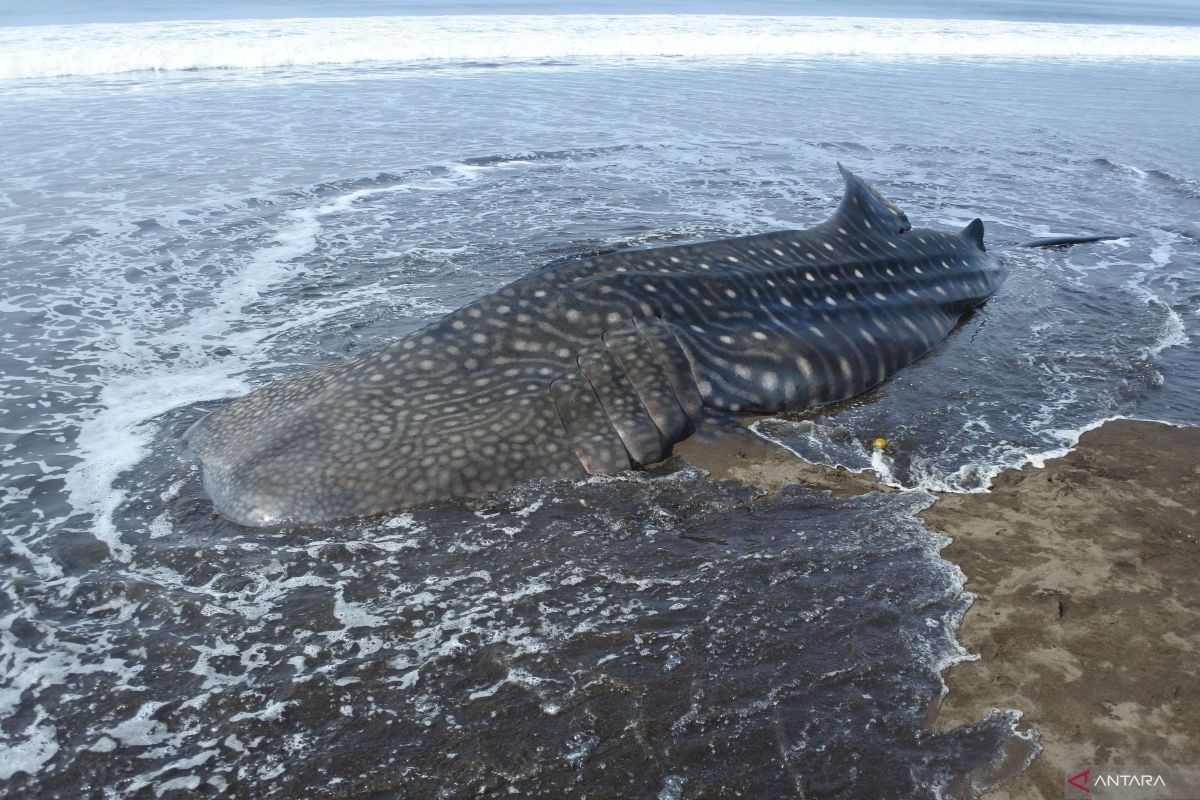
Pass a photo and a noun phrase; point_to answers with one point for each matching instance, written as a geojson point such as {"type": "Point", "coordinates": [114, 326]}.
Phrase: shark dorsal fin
{"type": "Point", "coordinates": [864, 208]}
{"type": "Point", "coordinates": [973, 233]}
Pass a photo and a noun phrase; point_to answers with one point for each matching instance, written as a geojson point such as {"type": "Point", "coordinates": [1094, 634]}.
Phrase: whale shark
{"type": "Point", "coordinates": [597, 365]}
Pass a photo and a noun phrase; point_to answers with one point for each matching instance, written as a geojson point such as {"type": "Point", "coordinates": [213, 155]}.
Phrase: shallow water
{"type": "Point", "coordinates": [171, 240]}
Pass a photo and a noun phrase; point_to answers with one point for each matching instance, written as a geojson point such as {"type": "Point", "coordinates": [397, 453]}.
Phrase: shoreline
{"type": "Point", "coordinates": [1084, 571]}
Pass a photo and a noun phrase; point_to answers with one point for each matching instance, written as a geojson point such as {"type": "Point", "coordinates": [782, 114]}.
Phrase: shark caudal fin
{"type": "Point", "coordinates": [973, 233]}
{"type": "Point", "coordinates": [1062, 242]}
{"type": "Point", "coordinates": [864, 209]}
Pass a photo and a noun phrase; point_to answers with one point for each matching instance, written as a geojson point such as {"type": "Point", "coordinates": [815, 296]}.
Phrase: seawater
{"type": "Point", "coordinates": [191, 209]}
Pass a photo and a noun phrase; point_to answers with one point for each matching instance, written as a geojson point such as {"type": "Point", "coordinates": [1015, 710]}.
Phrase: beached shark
{"type": "Point", "coordinates": [597, 365]}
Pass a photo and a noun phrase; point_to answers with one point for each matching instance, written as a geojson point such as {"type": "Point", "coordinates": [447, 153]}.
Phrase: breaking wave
{"type": "Point", "coordinates": [97, 49]}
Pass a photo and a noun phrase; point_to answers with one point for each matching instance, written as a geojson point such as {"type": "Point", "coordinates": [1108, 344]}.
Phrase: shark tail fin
{"type": "Point", "coordinates": [1062, 242]}
{"type": "Point", "coordinates": [864, 209]}
{"type": "Point", "coordinates": [974, 233]}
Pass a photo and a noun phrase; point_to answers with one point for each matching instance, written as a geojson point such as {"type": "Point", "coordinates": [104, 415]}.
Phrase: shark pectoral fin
{"type": "Point", "coordinates": [653, 387]}
{"type": "Point", "coordinates": [673, 361]}
{"type": "Point", "coordinates": [623, 406]}
{"type": "Point", "coordinates": [596, 444]}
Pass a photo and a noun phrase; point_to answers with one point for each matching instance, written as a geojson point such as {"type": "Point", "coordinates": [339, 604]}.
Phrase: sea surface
{"type": "Point", "coordinates": [189, 209]}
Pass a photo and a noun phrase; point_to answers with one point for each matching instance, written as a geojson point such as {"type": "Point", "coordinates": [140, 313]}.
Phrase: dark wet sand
{"type": "Point", "coordinates": [1087, 576]}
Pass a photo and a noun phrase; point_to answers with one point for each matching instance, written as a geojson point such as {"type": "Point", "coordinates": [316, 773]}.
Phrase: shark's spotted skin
{"type": "Point", "coordinates": [597, 365]}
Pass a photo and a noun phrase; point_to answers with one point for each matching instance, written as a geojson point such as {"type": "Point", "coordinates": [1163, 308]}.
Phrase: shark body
{"type": "Point", "coordinates": [598, 365]}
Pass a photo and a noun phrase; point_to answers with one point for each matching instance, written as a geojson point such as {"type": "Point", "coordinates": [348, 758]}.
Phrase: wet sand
{"type": "Point", "coordinates": [729, 452]}
{"type": "Point", "coordinates": [1087, 574]}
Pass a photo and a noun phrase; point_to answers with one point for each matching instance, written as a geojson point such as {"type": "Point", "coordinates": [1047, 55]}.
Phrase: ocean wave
{"type": "Point", "coordinates": [98, 49]}
{"type": "Point", "coordinates": [837, 448]}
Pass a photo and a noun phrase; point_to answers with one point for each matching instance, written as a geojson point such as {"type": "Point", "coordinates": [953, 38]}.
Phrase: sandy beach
{"type": "Point", "coordinates": [1084, 571]}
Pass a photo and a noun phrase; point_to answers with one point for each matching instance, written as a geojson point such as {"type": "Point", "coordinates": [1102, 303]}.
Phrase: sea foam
{"type": "Point", "coordinates": [96, 49]}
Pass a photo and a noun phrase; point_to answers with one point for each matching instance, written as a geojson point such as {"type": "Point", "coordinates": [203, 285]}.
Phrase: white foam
{"type": "Point", "coordinates": [115, 435]}
{"type": "Point", "coordinates": [353, 615]}
{"type": "Point", "coordinates": [977, 478]}
{"type": "Point", "coordinates": [272, 712]}
{"type": "Point", "coordinates": [1173, 332]}
{"type": "Point", "coordinates": [28, 754]}
{"type": "Point", "coordinates": [95, 49]}
{"type": "Point", "coordinates": [672, 788]}
{"type": "Point", "coordinates": [974, 477]}
{"type": "Point", "coordinates": [114, 438]}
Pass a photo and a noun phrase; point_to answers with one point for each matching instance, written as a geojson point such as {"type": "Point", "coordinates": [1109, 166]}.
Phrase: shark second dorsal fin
{"type": "Point", "coordinates": [865, 209]}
